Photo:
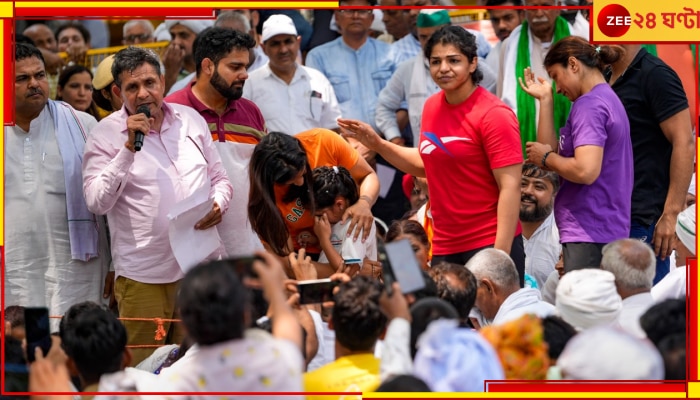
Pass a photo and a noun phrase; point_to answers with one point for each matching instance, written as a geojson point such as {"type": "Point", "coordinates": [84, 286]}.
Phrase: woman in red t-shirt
{"type": "Point", "coordinates": [470, 152]}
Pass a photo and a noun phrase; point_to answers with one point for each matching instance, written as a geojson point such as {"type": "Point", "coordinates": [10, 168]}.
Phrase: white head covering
{"type": "Point", "coordinates": [378, 24]}
{"type": "Point", "coordinates": [588, 297]}
{"type": "Point", "coordinates": [605, 352]}
{"type": "Point", "coordinates": [278, 24]}
{"type": "Point", "coordinates": [685, 228]}
{"type": "Point", "coordinates": [162, 34]}
{"type": "Point", "coordinates": [195, 25]}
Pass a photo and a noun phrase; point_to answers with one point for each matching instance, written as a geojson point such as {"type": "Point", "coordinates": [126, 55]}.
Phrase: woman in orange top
{"type": "Point", "coordinates": [281, 204]}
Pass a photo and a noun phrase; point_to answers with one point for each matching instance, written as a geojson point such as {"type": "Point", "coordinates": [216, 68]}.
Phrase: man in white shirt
{"type": "Point", "coordinates": [634, 264]}
{"type": "Point", "coordinates": [540, 234]}
{"type": "Point", "coordinates": [499, 297]}
{"type": "Point", "coordinates": [293, 98]}
{"type": "Point", "coordinates": [56, 250]}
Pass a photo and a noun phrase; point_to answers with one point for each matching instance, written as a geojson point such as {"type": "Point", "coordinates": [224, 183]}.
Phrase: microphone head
{"type": "Point", "coordinates": [143, 109]}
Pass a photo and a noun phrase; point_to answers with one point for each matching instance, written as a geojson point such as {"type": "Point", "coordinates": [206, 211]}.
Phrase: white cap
{"type": "Point", "coordinates": [378, 24]}
{"type": "Point", "coordinates": [278, 24]}
{"type": "Point", "coordinates": [195, 25]}
{"type": "Point", "coordinates": [685, 228]}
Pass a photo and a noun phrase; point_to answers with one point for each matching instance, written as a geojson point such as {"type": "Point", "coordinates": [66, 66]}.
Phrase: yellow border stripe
{"type": "Point", "coordinates": [213, 5]}
{"type": "Point", "coordinates": [6, 9]}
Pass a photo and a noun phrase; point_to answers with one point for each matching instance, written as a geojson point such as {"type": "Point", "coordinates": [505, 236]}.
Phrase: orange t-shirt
{"type": "Point", "coordinates": [323, 148]}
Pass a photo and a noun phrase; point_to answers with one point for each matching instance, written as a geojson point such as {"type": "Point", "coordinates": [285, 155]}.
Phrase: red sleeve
{"type": "Point", "coordinates": [500, 134]}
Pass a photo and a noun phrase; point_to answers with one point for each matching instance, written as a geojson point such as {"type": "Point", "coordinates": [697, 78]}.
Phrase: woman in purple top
{"type": "Point", "coordinates": [593, 155]}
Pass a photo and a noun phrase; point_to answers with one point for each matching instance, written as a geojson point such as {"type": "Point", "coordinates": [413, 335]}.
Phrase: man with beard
{"type": "Point", "coordinates": [527, 46]}
{"type": "Point", "coordinates": [293, 98]}
{"type": "Point", "coordinates": [55, 251]}
{"type": "Point", "coordinates": [236, 124]}
{"type": "Point", "coordinates": [540, 234]}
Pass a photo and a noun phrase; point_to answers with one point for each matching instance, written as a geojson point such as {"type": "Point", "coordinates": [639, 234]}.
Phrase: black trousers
{"type": "Point", "coordinates": [517, 253]}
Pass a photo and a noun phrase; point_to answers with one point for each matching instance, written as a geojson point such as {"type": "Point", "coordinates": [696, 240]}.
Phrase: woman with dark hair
{"type": "Point", "coordinates": [469, 151]}
{"type": "Point", "coordinates": [593, 155]}
{"type": "Point", "coordinates": [281, 204]}
{"type": "Point", "coordinates": [75, 88]}
{"type": "Point", "coordinates": [414, 232]}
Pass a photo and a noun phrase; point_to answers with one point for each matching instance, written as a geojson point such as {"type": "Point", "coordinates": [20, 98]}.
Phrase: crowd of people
{"type": "Point", "coordinates": [180, 201]}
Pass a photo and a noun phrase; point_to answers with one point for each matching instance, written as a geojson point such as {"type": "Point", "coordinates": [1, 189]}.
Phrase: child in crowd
{"type": "Point", "coordinates": [334, 192]}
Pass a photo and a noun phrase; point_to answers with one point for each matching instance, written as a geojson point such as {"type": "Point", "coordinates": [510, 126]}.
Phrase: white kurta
{"type": "Point", "coordinates": [39, 271]}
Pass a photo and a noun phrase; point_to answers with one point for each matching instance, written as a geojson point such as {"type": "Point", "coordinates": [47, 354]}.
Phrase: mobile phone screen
{"type": "Point", "coordinates": [315, 291]}
{"type": "Point", "coordinates": [36, 322]}
{"type": "Point", "coordinates": [404, 266]}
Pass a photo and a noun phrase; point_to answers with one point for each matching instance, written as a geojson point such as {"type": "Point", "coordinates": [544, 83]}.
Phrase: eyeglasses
{"type": "Point", "coordinates": [140, 38]}
{"type": "Point", "coordinates": [362, 13]}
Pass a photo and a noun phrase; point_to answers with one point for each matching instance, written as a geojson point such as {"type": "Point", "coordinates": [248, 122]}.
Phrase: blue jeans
{"type": "Point", "coordinates": [645, 234]}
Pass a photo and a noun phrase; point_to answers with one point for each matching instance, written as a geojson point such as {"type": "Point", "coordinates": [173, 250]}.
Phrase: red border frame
{"type": "Point", "coordinates": [502, 386]}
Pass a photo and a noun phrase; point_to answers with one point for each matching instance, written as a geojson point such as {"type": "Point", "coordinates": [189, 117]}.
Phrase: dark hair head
{"type": "Point", "coordinates": [357, 319]}
{"type": "Point", "coordinates": [459, 37]}
{"type": "Point", "coordinates": [429, 290]}
{"type": "Point", "coordinates": [277, 159]}
{"type": "Point", "coordinates": [330, 182]}
{"type": "Point", "coordinates": [407, 227]}
{"type": "Point", "coordinates": [15, 316]}
{"type": "Point", "coordinates": [531, 170]}
{"type": "Point", "coordinates": [672, 349]}
{"type": "Point", "coordinates": [591, 56]}
{"type": "Point", "coordinates": [130, 58]}
{"type": "Point", "coordinates": [557, 333]}
{"type": "Point", "coordinates": [79, 27]}
{"type": "Point", "coordinates": [425, 311]}
{"type": "Point", "coordinates": [24, 50]}
{"type": "Point", "coordinates": [101, 101]}
{"type": "Point", "coordinates": [213, 303]}
{"type": "Point", "coordinates": [94, 339]}
{"type": "Point", "coordinates": [216, 43]}
{"type": "Point", "coordinates": [20, 38]}
{"type": "Point", "coordinates": [456, 285]}
{"type": "Point", "coordinates": [664, 319]}
{"type": "Point", "coordinates": [70, 71]}
{"type": "Point", "coordinates": [403, 383]}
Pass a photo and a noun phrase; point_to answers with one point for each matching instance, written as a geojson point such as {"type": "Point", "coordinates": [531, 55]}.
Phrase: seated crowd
{"type": "Point", "coordinates": [188, 198]}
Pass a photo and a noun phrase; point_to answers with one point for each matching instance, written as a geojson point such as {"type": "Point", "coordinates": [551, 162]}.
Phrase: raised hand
{"type": "Point", "coordinates": [536, 87]}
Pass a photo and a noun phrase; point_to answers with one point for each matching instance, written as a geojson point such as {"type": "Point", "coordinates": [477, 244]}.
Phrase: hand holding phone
{"type": "Point", "coordinates": [36, 322]}
{"type": "Point", "coordinates": [316, 291]}
{"type": "Point", "coordinates": [399, 264]}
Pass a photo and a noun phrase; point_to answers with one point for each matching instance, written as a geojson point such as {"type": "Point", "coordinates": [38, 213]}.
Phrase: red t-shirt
{"type": "Point", "coordinates": [460, 146]}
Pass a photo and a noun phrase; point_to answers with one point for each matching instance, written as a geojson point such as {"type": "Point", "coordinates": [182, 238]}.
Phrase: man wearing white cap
{"type": "Point", "coordinates": [178, 58]}
{"type": "Point", "coordinates": [606, 353]}
{"type": "Point", "coordinates": [673, 285]}
{"type": "Point", "coordinates": [293, 98]}
{"type": "Point", "coordinates": [634, 265]}
{"type": "Point", "coordinates": [587, 298]}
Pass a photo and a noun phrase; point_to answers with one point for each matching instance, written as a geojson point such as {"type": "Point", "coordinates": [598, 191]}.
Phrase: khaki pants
{"type": "Point", "coordinates": [144, 300]}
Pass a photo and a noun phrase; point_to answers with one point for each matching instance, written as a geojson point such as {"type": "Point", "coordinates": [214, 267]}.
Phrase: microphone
{"type": "Point", "coordinates": [138, 139]}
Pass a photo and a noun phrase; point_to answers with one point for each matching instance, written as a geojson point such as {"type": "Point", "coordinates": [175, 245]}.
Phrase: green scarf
{"type": "Point", "coordinates": [527, 114]}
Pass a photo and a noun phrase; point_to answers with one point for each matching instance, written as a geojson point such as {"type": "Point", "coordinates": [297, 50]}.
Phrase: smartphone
{"type": "Point", "coordinates": [316, 291]}
{"type": "Point", "coordinates": [399, 264]}
{"type": "Point", "coordinates": [36, 322]}
{"type": "Point", "coordinates": [244, 266]}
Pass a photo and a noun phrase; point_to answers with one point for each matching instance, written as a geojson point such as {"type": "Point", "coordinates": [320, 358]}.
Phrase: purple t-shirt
{"type": "Point", "coordinates": [599, 212]}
